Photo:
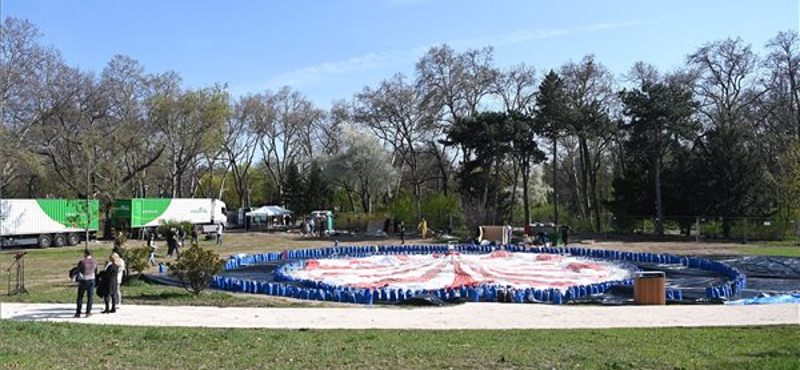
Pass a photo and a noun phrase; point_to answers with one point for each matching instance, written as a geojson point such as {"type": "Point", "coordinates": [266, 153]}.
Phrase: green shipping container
{"type": "Point", "coordinates": [72, 212]}
{"type": "Point", "coordinates": [136, 213]}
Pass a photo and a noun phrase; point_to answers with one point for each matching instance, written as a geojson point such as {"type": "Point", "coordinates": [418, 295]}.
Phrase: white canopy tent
{"type": "Point", "coordinates": [269, 211]}
{"type": "Point", "coordinates": [267, 217]}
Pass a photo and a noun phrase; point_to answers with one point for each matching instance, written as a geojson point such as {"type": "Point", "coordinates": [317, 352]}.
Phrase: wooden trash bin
{"type": "Point", "coordinates": [650, 288]}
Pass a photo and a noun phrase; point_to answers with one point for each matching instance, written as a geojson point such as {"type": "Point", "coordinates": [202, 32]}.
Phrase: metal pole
{"type": "Point", "coordinates": [697, 227]}
{"type": "Point", "coordinates": [88, 203]}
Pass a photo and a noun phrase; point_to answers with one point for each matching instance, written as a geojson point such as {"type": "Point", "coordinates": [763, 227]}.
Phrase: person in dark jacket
{"type": "Point", "coordinates": [87, 270]}
{"type": "Point", "coordinates": [565, 234]}
{"type": "Point", "coordinates": [171, 241]}
{"type": "Point", "coordinates": [111, 285]}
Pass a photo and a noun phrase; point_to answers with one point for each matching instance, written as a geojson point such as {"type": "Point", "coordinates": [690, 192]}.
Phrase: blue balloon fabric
{"type": "Point", "coordinates": [286, 286]}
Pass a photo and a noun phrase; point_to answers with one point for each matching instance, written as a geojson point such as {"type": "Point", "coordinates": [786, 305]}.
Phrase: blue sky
{"type": "Point", "coordinates": [332, 49]}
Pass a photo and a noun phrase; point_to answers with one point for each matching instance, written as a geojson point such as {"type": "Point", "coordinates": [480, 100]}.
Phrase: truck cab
{"type": "Point", "coordinates": [220, 213]}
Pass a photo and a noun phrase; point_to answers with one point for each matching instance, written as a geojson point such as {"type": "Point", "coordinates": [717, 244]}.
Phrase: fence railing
{"type": "Point", "coordinates": [709, 228]}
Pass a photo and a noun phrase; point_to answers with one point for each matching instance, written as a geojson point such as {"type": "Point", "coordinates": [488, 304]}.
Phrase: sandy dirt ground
{"type": "Point", "coordinates": [465, 316]}
{"type": "Point", "coordinates": [251, 242]}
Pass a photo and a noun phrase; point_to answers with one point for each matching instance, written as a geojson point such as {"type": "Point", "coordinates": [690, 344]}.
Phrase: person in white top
{"type": "Point", "coordinates": [219, 234]}
{"type": "Point", "coordinates": [117, 260]}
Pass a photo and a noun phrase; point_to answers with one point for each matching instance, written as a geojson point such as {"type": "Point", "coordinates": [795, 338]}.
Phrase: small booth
{"type": "Point", "coordinates": [268, 218]}
{"type": "Point", "coordinates": [495, 234]}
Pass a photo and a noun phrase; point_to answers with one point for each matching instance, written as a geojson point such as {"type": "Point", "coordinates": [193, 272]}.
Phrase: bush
{"type": "Point", "coordinates": [136, 259]}
{"type": "Point", "coordinates": [438, 209]}
{"type": "Point", "coordinates": [196, 268]}
{"type": "Point", "coordinates": [402, 208]}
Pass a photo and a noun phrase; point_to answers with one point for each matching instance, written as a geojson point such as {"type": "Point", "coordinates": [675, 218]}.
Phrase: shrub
{"type": "Point", "coordinates": [196, 268]}
{"type": "Point", "coordinates": [136, 259]}
{"type": "Point", "coordinates": [438, 209]}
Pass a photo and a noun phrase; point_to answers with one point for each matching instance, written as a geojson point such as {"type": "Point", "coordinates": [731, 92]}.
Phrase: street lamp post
{"type": "Point", "coordinates": [88, 203]}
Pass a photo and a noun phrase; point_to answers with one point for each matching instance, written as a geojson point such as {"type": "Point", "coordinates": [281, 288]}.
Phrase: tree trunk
{"type": "Point", "coordinates": [514, 182]}
{"type": "Point", "coordinates": [583, 151]}
{"type": "Point", "coordinates": [496, 186]}
{"type": "Point", "coordinates": [525, 196]}
{"type": "Point", "coordinates": [595, 201]}
{"type": "Point", "coordinates": [175, 181]}
{"type": "Point", "coordinates": [365, 202]}
{"type": "Point", "coordinates": [555, 180]}
{"type": "Point", "coordinates": [441, 163]}
{"type": "Point", "coordinates": [350, 198]}
{"type": "Point", "coordinates": [177, 193]}
{"type": "Point", "coordinates": [657, 180]}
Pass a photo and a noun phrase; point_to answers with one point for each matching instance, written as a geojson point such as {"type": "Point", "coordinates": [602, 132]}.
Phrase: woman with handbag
{"type": "Point", "coordinates": [110, 284]}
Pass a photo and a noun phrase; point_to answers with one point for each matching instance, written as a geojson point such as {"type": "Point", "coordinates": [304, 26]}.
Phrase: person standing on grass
{"type": "Point", "coordinates": [117, 259]}
{"type": "Point", "coordinates": [170, 242]}
{"type": "Point", "coordinates": [87, 270]}
{"type": "Point", "coordinates": [423, 228]}
{"type": "Point", "coordinates": [181, 236]}
{"type": "Point", "coordinates": [151, 243]}
{"type": "Point", "coordinates": [402, 233]}
{"type": "Point", "coordinates": [111, 285]}
{"type": "Point", "coordinates": [219, 234]}
{"type": "Point", "coordinates": [194, 236]}
{"type": "Point", "coordinates": [178, 242]}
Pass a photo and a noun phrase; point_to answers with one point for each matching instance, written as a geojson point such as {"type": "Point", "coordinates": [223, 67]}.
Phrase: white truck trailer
{"type": "Point", "coordinates": [138, 213]}
{"type": "Point", "coordinates": [47, 222]}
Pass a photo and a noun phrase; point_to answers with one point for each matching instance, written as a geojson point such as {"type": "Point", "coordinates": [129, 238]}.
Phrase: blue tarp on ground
{"type": "Point", "coordinates": [783, 298]}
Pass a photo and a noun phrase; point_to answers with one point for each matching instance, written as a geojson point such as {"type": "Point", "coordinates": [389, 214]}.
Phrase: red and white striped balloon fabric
{"type": "Point", "coordinates": [453, 270]}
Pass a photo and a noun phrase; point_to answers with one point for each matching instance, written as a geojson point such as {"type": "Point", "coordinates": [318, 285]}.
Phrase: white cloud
{"type": "Point", "coordinates": [372, 60]}
{"type": "Point", "coordinates": [364, 62]}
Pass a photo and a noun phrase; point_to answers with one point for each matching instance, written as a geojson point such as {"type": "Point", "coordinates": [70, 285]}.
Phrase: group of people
{"type": "Point", "coordinates": [106, 282]}
{"type": "Point", "coordinates": [175, 240]}
{"type": "Point", "coordinates": [543, 239]}
{"type": "Point", "coordinates": [315, 225]}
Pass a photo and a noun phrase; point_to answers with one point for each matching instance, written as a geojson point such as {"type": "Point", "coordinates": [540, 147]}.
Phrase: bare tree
{"type": "Point", "coordinates": [725, 71]}
{"type": "Point", "coordinates": [242, 138]}
{"type": "Point", "coordinates": [783, 82]}
{"type": "Point", "coordinates": [454, 85]}
{"type": "Point", "coordinates": [135, 148]}
{"type": "Point", "coordinates": [590, 93]}
{"type": "Point", "coordinates": [281, 137]}
{"type": "Point", "coordinates": [516, 87]}
{"type": "Point", "coordinates": [24, 73]}
{"type": "Point", "coordinates": [191, 122]}
{"type": "Point", "coordinates": [395, 114]}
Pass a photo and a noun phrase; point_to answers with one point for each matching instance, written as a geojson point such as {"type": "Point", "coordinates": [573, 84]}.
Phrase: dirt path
{"type": "Point", "coordinates": [465, 316]}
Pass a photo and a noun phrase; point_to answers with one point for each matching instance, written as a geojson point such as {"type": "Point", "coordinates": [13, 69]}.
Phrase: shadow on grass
{"type": "Point", "coordinates": [161, 296]}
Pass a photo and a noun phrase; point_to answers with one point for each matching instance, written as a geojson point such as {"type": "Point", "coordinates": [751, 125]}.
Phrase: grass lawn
{"type": "Point", "coordinates": [47, 270]}
{"type": "Point", "coordinates": [784, 251]}
{"type": "Point", "coordinates": [39, 345]}
{"type": "Point", "coordinates": [47, 281]}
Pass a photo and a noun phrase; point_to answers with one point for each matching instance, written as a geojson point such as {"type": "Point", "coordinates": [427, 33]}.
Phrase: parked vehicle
{"type": "Point", "coordinates": [135, 214]}
{"type": "Point", "coordinates": [47, 222]}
